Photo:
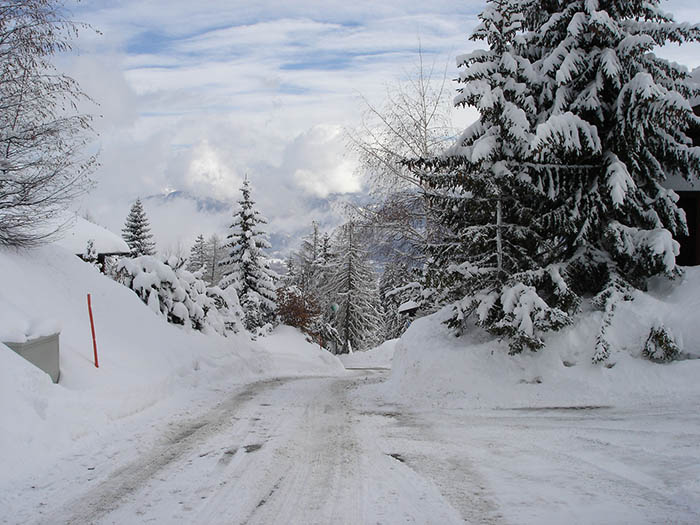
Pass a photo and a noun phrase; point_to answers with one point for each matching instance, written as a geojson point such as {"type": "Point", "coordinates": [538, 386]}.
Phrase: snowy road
{"type": "Point", "coordinates": [280, 451]}
{"type": "Point", "coordinates": [325, 450]}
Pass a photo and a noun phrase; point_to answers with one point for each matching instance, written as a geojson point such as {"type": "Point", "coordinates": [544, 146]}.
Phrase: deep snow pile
{"type": "Point", "coordinates": [289, 341]}
{"type": "Point", "coordinates": [144, 361]}
{"type": "Point", "coordinates": [432, 367]}
{"type": "Point", "coordinates": [379, 357]}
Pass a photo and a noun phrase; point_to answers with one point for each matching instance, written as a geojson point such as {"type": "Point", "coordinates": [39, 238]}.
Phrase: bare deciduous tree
{"type": "Point", "coordinates": [414, 122]}
{"type": "Point", "coordinates": [42, 133]}
{"type": "Point", "coordinates": [215, 253]}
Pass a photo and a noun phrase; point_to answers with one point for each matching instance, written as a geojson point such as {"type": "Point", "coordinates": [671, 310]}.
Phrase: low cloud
{"type": "Point", "coordinates": [209, 175]}
{"type": "Point", "coordinates": [320, 163]}
{"type": "Point", "coordinates": [195, 97]}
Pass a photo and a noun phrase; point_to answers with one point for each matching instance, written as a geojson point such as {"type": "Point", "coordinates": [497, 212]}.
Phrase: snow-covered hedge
{"type": "Point", "coordinates": [182, 297]}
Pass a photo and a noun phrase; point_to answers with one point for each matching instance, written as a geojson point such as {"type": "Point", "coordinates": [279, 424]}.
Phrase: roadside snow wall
{"type": "Point", "coordinates": [433, 368]}
{"type": "Point", "coordinates": [145, 362]}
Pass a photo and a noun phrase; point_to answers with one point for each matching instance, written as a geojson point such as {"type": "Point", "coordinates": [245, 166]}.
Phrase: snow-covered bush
{"type": "Point", "coordinates": [228, 308]}
{"type": "Point", "coordinates": [660, 346]}
{"type": "Point", "coordinates": [182, 297]}
{"type": "Point", "coordinates": [89, 255]}
{"type": "Point", "coordinates": [520, 313]}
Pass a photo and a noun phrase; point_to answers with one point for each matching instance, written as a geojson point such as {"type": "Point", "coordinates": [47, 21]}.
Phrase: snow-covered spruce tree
{"type": "Point", "coordinates": [315, 280]}
{"type": "Point", "coordinates": [198, 255]}
{"type": "Point", "coordinates": [311, 269]}
{"type": "Point", "coordinates": [290, 278]}
{"type": "Point", "coordinates": [246, 268]}
{"type": "Point", "coordinates": [610, 106]}
{"type": "Point", "coordinates": [309, 262]}
{"type": "Point", "coordinates": [493, 260]}
{"type": "Point", "coordinates": [351, 286]}
{"type": "Point", "coordinates": [326, 249]}
{"type": "Point", "coordinates": [137, 231]}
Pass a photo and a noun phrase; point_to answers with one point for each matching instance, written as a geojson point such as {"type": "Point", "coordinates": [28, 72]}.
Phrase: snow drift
{"type": "Point", "coordinates": [379, 357]}
{"type": "Point", "coordinates": [432, 367]}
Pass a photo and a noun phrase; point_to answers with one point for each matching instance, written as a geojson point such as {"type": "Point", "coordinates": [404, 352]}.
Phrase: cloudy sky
{"type": "Point", "coordinates": [194, 95]}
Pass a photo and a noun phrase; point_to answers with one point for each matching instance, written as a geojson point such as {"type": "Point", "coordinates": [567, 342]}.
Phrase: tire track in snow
{"type": "Point", "coordinates": [127, 480]}
{"type": "Point", "coordinates": [289, 451]}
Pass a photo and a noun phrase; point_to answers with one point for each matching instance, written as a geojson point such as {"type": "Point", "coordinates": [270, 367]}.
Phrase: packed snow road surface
{"type": "Point", "coordinates": [280, 451]}
{"type": "Point", "coordinates": [329, 450]}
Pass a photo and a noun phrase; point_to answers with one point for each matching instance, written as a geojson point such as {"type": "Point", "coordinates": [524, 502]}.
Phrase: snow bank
{"type": "Point", "coordinates": [379, 357]}
{"type": "Point", "coordinates": [431, 367]}
{"type": "Point", "coordinates": [290, 344]}
{"type": "Point", "coordinates": [144, 361]}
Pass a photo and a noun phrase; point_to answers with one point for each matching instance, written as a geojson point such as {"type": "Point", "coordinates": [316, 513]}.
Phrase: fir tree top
{"type": "Point", "coordinates": [247, 267]}
{"type": "Point", "coordinates": [198, 255]}
{"type": "Point", "coordinates": [137, 231]}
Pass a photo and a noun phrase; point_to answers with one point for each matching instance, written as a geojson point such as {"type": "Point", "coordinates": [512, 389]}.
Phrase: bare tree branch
{"type": "Point", "coordinates": [413, 122]}
{"type": "Point", "coordinates": [42, 134]}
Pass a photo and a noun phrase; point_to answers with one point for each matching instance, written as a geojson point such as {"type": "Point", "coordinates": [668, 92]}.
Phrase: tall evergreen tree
{"type": "Point", "coordinates": [137, 231]}
{"type": "Point", "coordinates": [309, 264]}
{"type": "Point", "coordinates": [290, 278]}
{"type": "Point", "coordinates": [352, 287]}
{"type": "Point", "coordinates": [246, 267]}
{"type": "Point", "coordinates": [492, 259]}
{"type": "Point", "coordinates": [326, 251]}
{"type": "Point", "coordinates": [215, 252]}
{"type": "Point", "coordinates": [300, 299]}
{"type": "Point", "coordinates": [556, 192]}
{"type": "Point", "coordinates": [612, 107]}
{"type": "Point", "coordinates": [314, 273]}
{"type": "Point", "coordinates": [198, 255]}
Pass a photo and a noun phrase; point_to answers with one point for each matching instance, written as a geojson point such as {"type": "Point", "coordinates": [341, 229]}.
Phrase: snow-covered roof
{"type": "Point", "coordinates": [408, 306]}
{"type": "Point", "coordinates": [76, 236]}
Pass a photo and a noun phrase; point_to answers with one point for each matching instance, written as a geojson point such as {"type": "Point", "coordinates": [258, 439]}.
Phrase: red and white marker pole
{"type": "Point", "coordinates": [92, 327]}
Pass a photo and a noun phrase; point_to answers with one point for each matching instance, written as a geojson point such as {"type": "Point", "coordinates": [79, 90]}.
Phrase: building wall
{"type": "Point", "coordinates": [42, 352]}
{"type": "Point", "coordinates": [690, 244]}
{"type": "Point", "coordinates": [690, 202]}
